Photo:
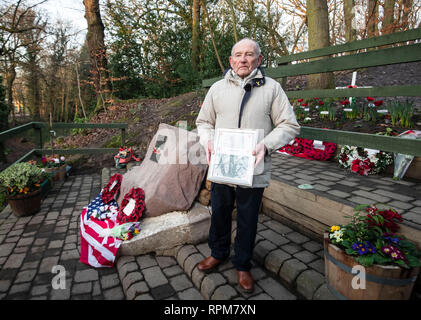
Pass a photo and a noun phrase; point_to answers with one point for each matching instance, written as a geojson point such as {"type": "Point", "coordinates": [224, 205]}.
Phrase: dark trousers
{"type": "Point", "coordinates": [248, 202]}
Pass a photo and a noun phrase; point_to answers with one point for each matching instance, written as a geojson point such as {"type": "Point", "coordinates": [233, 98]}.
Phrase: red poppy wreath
{"type": "Point", "coordinates": [132, 206]}
{"type": "Point", "coordinates": [304, 148]}
{"type": "Point", "coordinates": [112, 187]}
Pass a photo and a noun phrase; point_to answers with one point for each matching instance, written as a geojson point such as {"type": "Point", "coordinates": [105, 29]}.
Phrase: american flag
{"type": "Point", "coordinates": [97, 247]}
{"type": "Point", "coordinates": [101, 210]}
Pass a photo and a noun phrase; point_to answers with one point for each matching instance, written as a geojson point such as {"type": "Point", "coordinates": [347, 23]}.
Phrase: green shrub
{"type": "Point", "coordinates": [21, 178]}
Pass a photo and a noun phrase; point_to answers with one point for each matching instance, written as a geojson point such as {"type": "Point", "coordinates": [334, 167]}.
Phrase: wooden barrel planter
{"type": "Point", "coordinates": [381, 282]}
{"type": "Point", "coordinates": [25, 205]}
{"type": "Point", "coordinates": [59, 173]}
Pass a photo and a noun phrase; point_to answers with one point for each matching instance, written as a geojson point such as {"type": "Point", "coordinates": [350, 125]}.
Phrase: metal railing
{"type": "Point", "coordinates": [40, 126]}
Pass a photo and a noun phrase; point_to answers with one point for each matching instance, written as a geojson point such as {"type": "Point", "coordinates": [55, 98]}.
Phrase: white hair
{"type": "Point", "coordinates": [256, 45]}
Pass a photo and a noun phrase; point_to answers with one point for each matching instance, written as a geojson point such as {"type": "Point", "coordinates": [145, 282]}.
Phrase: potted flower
{"type": "Point", "coordinates": [23, 184]}
{"type": "Point", "coordinates": [47, 182]}
{"type": "Point", "coordinates": [56, 165]}
{"type": "Point", "coordinates": [367, 259]}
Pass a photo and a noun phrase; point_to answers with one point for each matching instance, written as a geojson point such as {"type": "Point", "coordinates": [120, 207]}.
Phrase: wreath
{"type": "Point", "coordinates": [304, 148]}
{"type": "Point", "coordinates": [112, 187]}
{"type": "Point", "coordinates": [132, 206]}
{"type": "Point", "coordinates": [364, 161]}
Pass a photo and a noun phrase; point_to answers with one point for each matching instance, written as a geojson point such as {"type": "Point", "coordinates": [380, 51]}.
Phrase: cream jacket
{"type": "Point", "coordinates": [267, 108]}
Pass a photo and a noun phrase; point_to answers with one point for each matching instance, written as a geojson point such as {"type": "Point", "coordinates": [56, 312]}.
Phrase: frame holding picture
{"type": "Point", "coordinates": [232, 161]}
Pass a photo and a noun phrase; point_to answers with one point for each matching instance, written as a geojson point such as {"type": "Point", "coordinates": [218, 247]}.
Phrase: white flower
{"type": "Point", "coordinates": [373, 158]}
{"type": "Point", "coordinates": [56, 160]}
{"type": "Point", "coordinates": [337, 235]}
{"type": "Point", "coordinates": [62, 158]}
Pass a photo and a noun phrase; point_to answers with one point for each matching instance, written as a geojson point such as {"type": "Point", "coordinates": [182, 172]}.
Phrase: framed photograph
{"type": "Point", "coordinates": [233, 161]}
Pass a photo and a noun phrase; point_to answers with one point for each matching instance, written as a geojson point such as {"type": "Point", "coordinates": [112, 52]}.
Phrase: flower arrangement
{"type": "Point", "coordinates": [371, 238]}
{"type": "Point", "coordinates": [53, 161]}
{"type": "Point", "coordinates": [21, 178]}
{"type": "Point", "coordinates": [125, 231]}
{"type": "Point", "coordinates": [364, 161]}
{"type": "Point", "coordinates": [112, 187]}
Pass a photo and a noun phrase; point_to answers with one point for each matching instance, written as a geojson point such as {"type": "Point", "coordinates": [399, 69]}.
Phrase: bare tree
{"type": "Point", "coordinates": [95, 40]}
{"type": "Point", "coordinates": [17, 21]}
{"type": "Point", "coordinates": [195, 52]}
{"type": "Point", "coordinates": [11, 23]}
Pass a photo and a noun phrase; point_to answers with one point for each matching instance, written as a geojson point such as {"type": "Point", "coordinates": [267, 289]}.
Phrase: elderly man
{"type": "Point", "coordinates": [245, 99]}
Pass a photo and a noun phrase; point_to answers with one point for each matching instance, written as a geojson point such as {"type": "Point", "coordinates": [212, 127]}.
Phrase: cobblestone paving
{"type": "Point", "coordinates": [287, 265]}
{"type": "Point", "coordinates": [331, 181]}
{"type": "Point", "coordinates": [32, 247]}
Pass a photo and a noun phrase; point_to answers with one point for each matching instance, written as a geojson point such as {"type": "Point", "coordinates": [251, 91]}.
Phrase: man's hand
{"type": "Point", "coordinates": [209, 150]}
{"type": "Point", "coordinates": [259, 152]}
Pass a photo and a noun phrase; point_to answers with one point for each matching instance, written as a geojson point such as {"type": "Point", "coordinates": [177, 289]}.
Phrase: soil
{"type": "Point", "coordinates": [144, 117]}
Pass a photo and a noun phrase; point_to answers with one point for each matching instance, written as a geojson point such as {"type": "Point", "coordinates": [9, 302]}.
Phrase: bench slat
{"type": "Point", "coordinates": [378, 142]}
{"type": "Point", "coordinates": [380, 57]}
{"type": "Point", "coordinates": [392, 38]}
{"type": "Point", "coordinates": [389, 91]}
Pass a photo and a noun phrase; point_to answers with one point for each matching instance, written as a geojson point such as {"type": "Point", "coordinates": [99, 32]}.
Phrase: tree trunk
{"type": "Point", "coordinates": [205, 11]}
{"type": "Point", "coordinates": [10, 79]}
{"type": "Point", "coordinates": [253, 20]}
{"type": "Point", "coordinates": [372, 18]}
{"type": "Point", "coordinates": [234, 20]}
{"type": "Point", "coordinates": [97, 52]}
{"type": "Point", "coordinates": [269, 40]}
{"type": "Point", "coordinates": [34, 100]}
{"type": "Point", "coordinates": [318, 37]}
{"type": "Point", "coordinates": [4, 112]}
{"type": "Point", "coordinates": [349, 16]}
{"type": "Point", "coordinates": [388, 22]}
{"type": "Point", "coordinates": [195, 52]}
{"type": "Point", "coordinates": [407, 5]}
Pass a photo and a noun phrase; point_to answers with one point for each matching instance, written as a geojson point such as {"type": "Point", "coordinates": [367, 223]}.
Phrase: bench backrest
{"type": "Point", "coordinates": [398, 51]}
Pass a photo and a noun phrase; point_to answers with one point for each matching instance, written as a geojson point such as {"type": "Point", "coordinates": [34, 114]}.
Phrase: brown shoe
{"type": "Point", "coordinates": [208, 264]}
{"type": "Point", "coordinates": [245, 281]}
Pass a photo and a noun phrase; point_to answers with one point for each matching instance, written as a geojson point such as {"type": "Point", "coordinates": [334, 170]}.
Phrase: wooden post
{"type": "Point", "coordinates": [39, 130]}
{"type": "Point", "coordinates": [123, 137]}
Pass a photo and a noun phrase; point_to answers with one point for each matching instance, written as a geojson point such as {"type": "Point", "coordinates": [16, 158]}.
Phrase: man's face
{"type": "Point", "coordinates": [244, 58]}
